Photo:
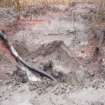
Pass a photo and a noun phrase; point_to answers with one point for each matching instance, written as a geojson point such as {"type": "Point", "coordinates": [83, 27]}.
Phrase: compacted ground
{"type": "Point", "coordinates": [62, 41]}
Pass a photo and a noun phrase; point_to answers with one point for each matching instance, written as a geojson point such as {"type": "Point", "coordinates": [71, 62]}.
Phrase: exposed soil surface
{"type": "Point", "coordinates": [63, 41]}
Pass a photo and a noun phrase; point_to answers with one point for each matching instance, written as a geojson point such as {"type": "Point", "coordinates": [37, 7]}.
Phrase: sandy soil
{"type": "Point", "coordinates": [61, 35]}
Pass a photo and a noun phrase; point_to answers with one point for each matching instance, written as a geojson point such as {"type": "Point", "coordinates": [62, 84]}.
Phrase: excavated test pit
{"type": "Point", "coordinates": [71, 49]}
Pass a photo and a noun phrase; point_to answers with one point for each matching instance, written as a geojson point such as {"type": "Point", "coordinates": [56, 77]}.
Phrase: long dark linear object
{"type": "Point", "coordinates": [19, 59]}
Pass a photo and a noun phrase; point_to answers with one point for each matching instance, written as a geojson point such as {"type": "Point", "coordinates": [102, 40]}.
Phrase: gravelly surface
{"type": "Point", "coordinates": [67, 40]}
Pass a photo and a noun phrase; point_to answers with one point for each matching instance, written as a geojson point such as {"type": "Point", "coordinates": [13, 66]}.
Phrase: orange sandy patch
{"type": "Point", "coordinates": [28, 21]}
